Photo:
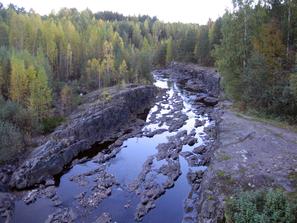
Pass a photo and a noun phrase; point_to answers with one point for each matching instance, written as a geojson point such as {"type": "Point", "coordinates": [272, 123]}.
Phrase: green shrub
{"type": "Point", "coordinates": [261, 207]}
{"type": "Point", "coordinates": [18, 116]}
{"type": "Point", "coordinates": [106, 96]}
{"type": "Point", "coordinates": [11, 140]}
{"type": "Point", "coordinates": [49, 124]}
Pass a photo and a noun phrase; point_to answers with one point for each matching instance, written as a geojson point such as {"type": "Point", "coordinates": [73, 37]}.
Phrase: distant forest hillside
{"type": "Point", "coordinates": [46, 62]}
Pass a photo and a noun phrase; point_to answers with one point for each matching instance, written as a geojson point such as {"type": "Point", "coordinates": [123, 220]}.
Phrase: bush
{"type": "Point", "coordinates": [18, 116]}
{"type": "Point", "coordinates": [106, 96]}
{"type": "Point", "coordinates": [11, 140]}
{"type": "Point", "coordinates": [261, 207]}
{"type": "Point", "coordinates": [49, 124]}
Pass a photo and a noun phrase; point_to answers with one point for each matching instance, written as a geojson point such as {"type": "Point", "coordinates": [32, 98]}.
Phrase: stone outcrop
{"type": "Point", "coordinates": [198, 79]}
{"type": "Point", "coordinates": [98, 119]}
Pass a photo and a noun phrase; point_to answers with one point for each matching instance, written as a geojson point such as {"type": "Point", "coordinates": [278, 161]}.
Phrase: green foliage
{"type": "Point", "coordinates": [261, 207]}
{"type": "Point", "coordinates": [169, 51]}
{"type": "Point", "coordinates": [11, 140]}
{"type": "Point", "coordinates": [293, 85]}
{"type": "Point", "coordinates": [40, 95]}
{"type": "Point", "coordinates": [67, 99]}
{"type": "Point", "coordinates": [15, 114]}
{"type": "Point", "coordinates": [106, 95]}
{"type": "Point", "coordinates": [50, 123]}
{"type": "Point", "coordinates": [229, 57]}
{"type": "Point", "coordinates": [255, 56]}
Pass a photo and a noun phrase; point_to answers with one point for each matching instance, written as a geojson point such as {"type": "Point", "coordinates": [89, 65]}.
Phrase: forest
{"type": "Point", "coordinates": [48, 62]}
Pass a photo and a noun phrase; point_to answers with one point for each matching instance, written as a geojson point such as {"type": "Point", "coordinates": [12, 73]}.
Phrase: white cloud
{"type": "Point", "coordinates": [195, 11]}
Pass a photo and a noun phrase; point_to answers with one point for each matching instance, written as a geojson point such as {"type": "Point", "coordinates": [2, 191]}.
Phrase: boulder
{"type": "Point", "coordinates": [210, 101]}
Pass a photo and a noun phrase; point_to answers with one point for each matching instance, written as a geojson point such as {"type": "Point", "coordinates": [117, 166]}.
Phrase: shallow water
{"type": "Point", "coordinates": [126, 166]}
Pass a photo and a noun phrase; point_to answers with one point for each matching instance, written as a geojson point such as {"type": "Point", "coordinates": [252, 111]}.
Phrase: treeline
{"type": "Point", "coordinates": [47, 62]}
{"type": "Point", "coordinates": [257, 56]}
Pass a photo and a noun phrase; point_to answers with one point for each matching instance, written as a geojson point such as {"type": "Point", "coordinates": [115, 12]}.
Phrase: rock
{"type": "Point", "coordinates": [192, 141]}
{"type": "Point", "coordinates": [196, 78]}
{"type": "Point", "coordinates": [156, 132]}
{"type": "Point", "coordinates": [92, 122]}
{"type": "Point", "coordinates": [104, 218]}
{"type": "Point", "coordinates": [31, 196]}
{"type": "Point", "coordinates": [195, 177]}
{"type": "Point", "coordinates": [199, 123]}
{"type": "Point", "coordinates": [6, 205]}
{"type": "Point", "coordinates": [210, 101]}
{"type": "Point", "coordinates": [188, 205]}
{"type": "Point", "coordinates": [200, 149]}
{"type": "Point", "coordinates": [49, 182]}
{"type": "Point", "coordinates": [102, 189]}
{"type": "Point", "coordinates": [65, 215]}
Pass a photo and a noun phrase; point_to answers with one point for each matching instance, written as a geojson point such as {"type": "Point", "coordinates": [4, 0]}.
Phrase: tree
{"type": "Point", "coordinates": [169, 51]}
{"type": "Point", "coordinates": [215, 33]}
{"type": "Point", "coordinates": [123, 70]}
{"type": "Point", "coordinates": [94, 71]}
{"type": "Point", "coordinates": [19, 82]}
{"type": "Point", "coordinates": [1, 81]}
{"type": "Point", "coordinates": [269, 44]}
{"type": "Point", "coordinates": [40, 94]}
{"type": "Point", "coordinates": [4, 35]}
{"type": "Point", "coordinates": [229, 56]}
{"type": "Point", "coordinates": [293, 85]}
{"type": "Point", "coordinates": [108, 63]}
{"type": "Point", "coordinates": [66, 96]}
{"type": "Point", "coordinates": [202, 48]}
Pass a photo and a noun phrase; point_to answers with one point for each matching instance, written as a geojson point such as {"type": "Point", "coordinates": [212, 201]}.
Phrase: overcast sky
{"type": "Point", "coordinates": [195, 11]}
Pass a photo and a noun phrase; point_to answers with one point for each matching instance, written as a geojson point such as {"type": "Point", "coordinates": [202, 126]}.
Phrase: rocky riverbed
{"type": "Point", "coordinates": [115, 162]}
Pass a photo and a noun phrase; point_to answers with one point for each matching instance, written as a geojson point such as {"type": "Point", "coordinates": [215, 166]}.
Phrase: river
{"type": "Point", "coordinates": [148, 178]}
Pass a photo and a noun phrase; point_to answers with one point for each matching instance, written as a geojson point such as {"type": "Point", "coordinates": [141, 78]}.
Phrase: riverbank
{"type": "Point", "coordinates": [250, 155]}
{"type": "Point", "coordinates": [151, 167]}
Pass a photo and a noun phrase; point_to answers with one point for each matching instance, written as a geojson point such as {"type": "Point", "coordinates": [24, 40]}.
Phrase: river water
{"type": "Point", "coordinates": [126, 166]}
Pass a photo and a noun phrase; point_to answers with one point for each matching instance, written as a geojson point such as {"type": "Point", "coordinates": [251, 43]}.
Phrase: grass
{"type": "Point", "coordinates": [221, 173]}
{"type": "Point", "coordinates": [224, 157]}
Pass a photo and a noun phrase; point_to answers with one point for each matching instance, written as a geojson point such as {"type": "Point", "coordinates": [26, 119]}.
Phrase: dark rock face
{"type": "Point", "coordinates": [6, 205]}
{"type": "Point", "coordinates": [197, 79]}
{"type": "Point", "coordinates": [204, 82]}
{"type": "Point", "coordinates": [93, 122]}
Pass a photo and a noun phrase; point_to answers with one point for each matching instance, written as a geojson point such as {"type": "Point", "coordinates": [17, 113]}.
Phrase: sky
{"type": "Point", "coordinates": [186, 11]}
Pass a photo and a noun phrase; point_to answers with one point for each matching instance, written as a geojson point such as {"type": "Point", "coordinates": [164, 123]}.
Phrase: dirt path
{"type": "Point", "coordinates": [250, 155]}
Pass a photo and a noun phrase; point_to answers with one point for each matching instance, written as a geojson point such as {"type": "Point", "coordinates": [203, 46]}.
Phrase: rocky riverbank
{"type": "Point", "coordinates": [250, 155]}
{"type": "Point", "coordinates": [114, 161]}
{"type": "Point", "coordinates": [98, 120]}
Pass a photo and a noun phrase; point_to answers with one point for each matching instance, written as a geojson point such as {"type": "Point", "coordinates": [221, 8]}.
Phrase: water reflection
{"type": "Point", "coordinates": [126, 166]}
